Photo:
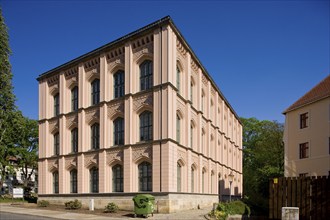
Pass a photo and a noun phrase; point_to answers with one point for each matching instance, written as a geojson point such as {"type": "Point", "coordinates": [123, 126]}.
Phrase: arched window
{"type": "Point", "coordinates": [56, 104]}
{"type": "Point", "coordinates": [95, 136]}
{"type": "Point", "coordinates": [74, 99]}
{"type": "Point", "coordinates": [203, 180]}
{"type": "Point", "coordinates": [146, 75]}
{"type": "Point", "coordinates": [212, 180]}
{"type": "Point", "coordinates": [202, 101]}
{"type": "Point", "coordinates": [191, 91]}
{"type": "Point", "coordinates": [95, 91]}
{"type": "Point", "coordinates": [146, 126]}
{"type": "Point", "coordinates": [145, 176]}
{"type": "Point", "coordinates": [178, 177]}
{"type": "Point", "coordinates": [56, 144]}
{"type": "Point", "coordinates": [119, 84]}
{"type": "Point", "coordinates": [191, 135]}
{"type": "Point", "coordinates": [178, 81]}
{"type": "Point", "coordinates": [94, 180]}
{"type": "Point", "coordinates": [73, 181]}
{"type": "Point", "coordinates": [55, 182]}
{"type": "Point", "coordinates": [178, 133]}
{"type": "Point", "coordinates": [117, 178]}
{"type": "Point", "coordinates": [118, 131]}
{"type": "Point", "coordinates": [74, 140]}
{"type": "Point", "coordinates": [192, 179]}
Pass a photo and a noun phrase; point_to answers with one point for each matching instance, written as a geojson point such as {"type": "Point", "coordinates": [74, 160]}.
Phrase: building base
{"type": "Point", "coordinates": [164, 202]}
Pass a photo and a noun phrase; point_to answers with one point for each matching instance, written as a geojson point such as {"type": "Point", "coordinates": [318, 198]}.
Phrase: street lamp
{"type": "Point", "coordinates": [230, 178]}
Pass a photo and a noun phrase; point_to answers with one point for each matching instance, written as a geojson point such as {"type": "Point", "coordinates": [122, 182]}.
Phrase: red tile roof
{"type": "Point", "coordinates": [320, 91]}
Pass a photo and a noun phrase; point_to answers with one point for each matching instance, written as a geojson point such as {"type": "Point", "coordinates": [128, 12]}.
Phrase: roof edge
{"type": "Point", "coordinates": [308, 103]}
{"type": "Point", "coordinates": [108, 45]}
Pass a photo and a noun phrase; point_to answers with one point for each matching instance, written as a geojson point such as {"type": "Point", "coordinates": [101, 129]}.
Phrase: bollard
{"type": "Point", "coordinates": [290, 213]}
{"type": "Point", "coordinates": [91, 205]}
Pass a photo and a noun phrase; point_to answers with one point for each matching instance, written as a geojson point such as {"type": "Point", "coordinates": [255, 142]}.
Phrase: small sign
{"type": "Point", "coordinates": [275, 180]}
{"type": "Point", "coordinates": [17, 193]}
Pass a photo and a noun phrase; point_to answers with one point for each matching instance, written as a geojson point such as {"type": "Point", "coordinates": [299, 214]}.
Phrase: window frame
{"type": "Point", "coordinates": [74, 99]}
{"type": "Point", "coordinates": [178, 128]}
{"type": "Point", "coordinates": [95, 136]}
{"type": "Point", "coordinates": [119, 84]}
{"type": "Point", "coordinates": [55, 182]}
{"type": "Point", "coordinates": [94, 180]}
{"type": "Point", "coordinates": [117, 178]}
{"type": "Point", "coordinates": [178, 80]}
{"type": "Point", "coordinates": [74, 140]}
{"type": "Point", "coordinates": [146, 126]}
{"type": "Point", "coordinates": [145, 176]}
{"type": "Point", "coordinates": [119, 131]}
{"type": "Point", "coordinates": [56, 144]}
{"type": "Point", "coordinates": [146, 75]}
{"type": "Point", "coordinates": [303, 120]}
{"type": "Point", "coordinates": [304, 150]}
{"type": "Point", "coordinates": [56, 104]}
{"type": "Point", "coordinates": [73, 181]}
{"type": "Point", "coordinates": [179, 177]}
{"type": "Point", "coordinates": [95, 92]}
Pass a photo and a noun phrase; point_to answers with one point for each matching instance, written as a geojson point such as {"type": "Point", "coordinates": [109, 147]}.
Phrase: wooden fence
{"type": "Point", "coordinates": [310, 194]}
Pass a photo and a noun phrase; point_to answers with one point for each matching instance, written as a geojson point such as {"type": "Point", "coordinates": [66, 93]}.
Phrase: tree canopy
{"type": "Point", "coordinates": [18, 135]}
{"type": "Point", "coordinates": [263, 158]}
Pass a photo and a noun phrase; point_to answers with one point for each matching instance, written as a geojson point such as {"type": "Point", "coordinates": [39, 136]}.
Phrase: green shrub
{"type": "Point", "coordinates": [232, 208]}
{"type": "Point", "coordinates": [111, 207]}
{"type": "Point", "coordinates": [31, 198]}
{"type": "Point", "coordinates": [76, 204]}
{"type": "Point", "coordinates": [43, 203]}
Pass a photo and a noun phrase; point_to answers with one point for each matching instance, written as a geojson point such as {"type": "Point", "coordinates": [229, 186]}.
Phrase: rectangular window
{"type": "Point", "coordinates": [95, 91]}
{"type": "Point", "coordinates": [73, 179]}
{"type": "Point", "coordinates": [56, 104]}
{"type": "Point", "coordinates": [74, 140]}
{"type": "Point", "coordinates": [146, 72]}
{"type": "Point", "coordinates": [56, 144]}
{"type": "Point", "coordinates": [304, 150]}
{"type": "Point", "coordinates": [178, 79]}
{"type": "Point", "coordinates": [304, 120]}
{"type": "Point", "coordinates": [74, 99]}
{"type": "Point", "coordinates": [55, 182]}
{"type": "Point", "coordinates": [119, 84]}
{"type": "Point", "coordinates": [117, 178]}
{"type": "Point", "coordinates": [95, 137]}
{"type": "Point", "coordinates": [118, 134]}
{"type": "Point", "coordinates": [94, 180]}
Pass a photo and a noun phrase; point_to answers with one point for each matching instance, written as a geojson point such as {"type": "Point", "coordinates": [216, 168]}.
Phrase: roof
{"type": "Point", "coordinates": [320, 91]}
{"type": "Point", "coordinates": [131, 36]}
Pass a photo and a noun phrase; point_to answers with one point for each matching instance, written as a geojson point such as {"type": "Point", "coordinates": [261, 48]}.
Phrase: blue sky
{"type": "Point", "coordinates": [263, 55]}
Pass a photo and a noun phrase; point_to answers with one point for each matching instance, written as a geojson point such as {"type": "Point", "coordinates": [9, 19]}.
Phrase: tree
{"type": "Point", "coordinates": [27, 149]}
{"type": "Point", "coordinates": [8, 110]}
{"type": "Point", "coordinates": [263, 158]}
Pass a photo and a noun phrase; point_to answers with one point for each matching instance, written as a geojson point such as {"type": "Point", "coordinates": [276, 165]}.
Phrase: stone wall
{"type": "Point", "coordinates": [164, 202]}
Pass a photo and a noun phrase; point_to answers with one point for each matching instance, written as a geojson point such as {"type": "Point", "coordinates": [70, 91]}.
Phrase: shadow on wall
{"type": "Point", "coordinates": [225, 192]}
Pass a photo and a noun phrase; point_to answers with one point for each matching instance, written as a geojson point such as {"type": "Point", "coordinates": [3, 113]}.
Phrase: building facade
{"type": "Point", "coordinates": [140, 114]}
{"type": "Point", "coordinates": [307, 133]}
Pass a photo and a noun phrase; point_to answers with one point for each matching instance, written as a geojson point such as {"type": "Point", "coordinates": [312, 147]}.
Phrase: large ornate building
{"type": "Point", "coordinates": [140, 114]}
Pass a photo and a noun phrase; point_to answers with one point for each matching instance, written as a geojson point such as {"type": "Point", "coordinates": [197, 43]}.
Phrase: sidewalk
{"type": "Point", "coordinates": [190, 214]}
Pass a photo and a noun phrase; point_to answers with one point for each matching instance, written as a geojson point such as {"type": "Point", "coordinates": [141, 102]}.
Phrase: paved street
{"type": "Point", "coordinates": [13, 216]}
{"type": "Point", "coordinates": [38, 214]}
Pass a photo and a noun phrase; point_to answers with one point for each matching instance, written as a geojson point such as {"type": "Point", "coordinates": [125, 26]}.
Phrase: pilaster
{"type": "Point", "coordinates": [128, 170]}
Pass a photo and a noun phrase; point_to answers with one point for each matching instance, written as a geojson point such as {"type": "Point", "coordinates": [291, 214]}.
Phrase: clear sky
{"type": "Point", "coordinates": [263, 55]}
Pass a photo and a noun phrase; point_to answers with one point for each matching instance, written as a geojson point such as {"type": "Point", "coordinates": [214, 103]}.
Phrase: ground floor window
{"type": "Point", "coordinates": [145, 176]}
{"type": "Point", "coordinates": [73, 181]}
{"type": "Point", "coordinates": [94, 180]}
{"type": "Point", "coordinates": [117, 178]}
{"type": "Point", "coordinates": [55, 182]}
